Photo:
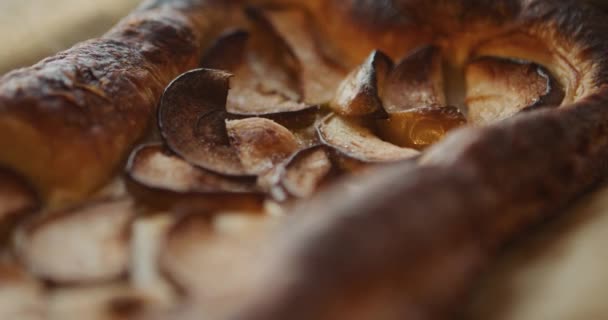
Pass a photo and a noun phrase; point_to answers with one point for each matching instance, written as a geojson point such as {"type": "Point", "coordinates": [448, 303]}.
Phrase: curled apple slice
{"type": "Point", "coordinates": [498, 88]}
{"type": "Point", "coordinates": [320, 75]}
{"type": "Point", "coordinates": [358, 93]}
{"type": "Point", "coordinates": [416, 81]}
{"type": "Point", "coordinates": [81, 245]}
{"type": "Point", "coordinates": [266, 72]}
{"type": "Point", "coordinates": [152, 166]}
{"type": "Point", "coordinates": [192, 117]}
{"type": "Point", "coordinates": [261, 143]}
{"type": "Point", "coordinates": [358, 142]}
{"type": "Point", "coordinates": [420, 127]}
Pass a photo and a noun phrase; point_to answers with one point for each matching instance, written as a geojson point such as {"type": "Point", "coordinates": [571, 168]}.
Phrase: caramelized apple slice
{"type": "Point", "coordinates": [261, 143]}
{"type": "Point", "coordinates": [420, 127]}
{"type": "Point", "coordinates": [498, 88]}
{"type": "Point", "coordinates": [358, 142]}
{"type": "Point", "coordinates": [320, 76]}
{"type": "Point", "coordinates": [165, 181]}
{"type": "Point", "coordinates": [85, 244]}
{"type": "Point", "coordinates": [192, 117]}
{"type": "Point", "coordinates": [227, 52]}
{"type": "Point", "coordinates": [267, 74]}
{"type": "Point", "coordinates": [154, 167]}
{"type": "Point", "coordinates": [358, 94]}
{"type": "Point", "coordinates": [416, 81]}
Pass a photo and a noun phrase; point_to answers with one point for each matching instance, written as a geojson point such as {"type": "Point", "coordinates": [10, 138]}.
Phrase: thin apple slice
{"type": "Point", "coordinates": [81, 245]}
{"type": "Point", "coordinates": [358, 142]}
{"type": "Point", "coordinates": [498, 88]}
{"type": "Point", "coordinates": [420, 127]}
{"type": "Point", "coordinates": [166, 182]}
{"type": "Point", "coordinates": [358, 93]}
{"type": "Point", "coordinates": [227, 52]}
{"type": "Point", "coordinates": [21, 296]}
{"type": "Point", "coordinates": [261, 143]}
{"type": "Point", "coordinates": [320, 76]}
{"type": "Point", "coordinates": [306, 171]}
{"type": "Point", "coordinates": [192, 118]}
{"type": "Point", "coordinates": [154, 167]}
{"type": "Point", "coordinates": [266, 72]}
{"type": "Point", "coordinates": [416, 81]}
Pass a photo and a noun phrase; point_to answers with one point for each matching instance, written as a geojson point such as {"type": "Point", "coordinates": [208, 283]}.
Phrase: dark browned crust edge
{"type": "Point", "coordinates": [67, 122]}
{"type": "Point", "coordinates": [408, 242]}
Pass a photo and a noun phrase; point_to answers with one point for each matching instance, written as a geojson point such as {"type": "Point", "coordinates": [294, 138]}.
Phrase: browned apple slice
{"type": "Point", "coordinates": [498, 88]}
{"type": "Point", "coordinates": [192, 117]}
{"type": "Point", "coordinates": [267, 73]}
{"type": "Point", "coordinates": [358, 93]}
{"type": "Point", "coordinates": [320, 76]}
{"type": "Point", "coordinates": [359, 142]}
{"type": "Point", "coordinates": [203, 256]}
{"type": "Point", "coordinates": [416, 81]}
{"type": "Point", "coordinates": [305, 172]}
{"type": "Point", "coordinates": [261, 143]}
{"type": "Point", "coordinates": [227, 52]}
{"type": "Point", "coordinates": [153, 166]}
{"type": "Point", "coordinates": [100, 302]}
{"type": "Point", "coordinates": [420, 127]}
{"type": "Point", "coordinates": [81, 245]}
{"type": "Point", "coordinates": [21, 296]}
{"type": "Point", "coordinates": [165, 181]}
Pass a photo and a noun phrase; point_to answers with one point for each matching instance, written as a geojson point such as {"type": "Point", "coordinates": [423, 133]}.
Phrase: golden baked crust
{"type": "Point", "coordinates": [409, 240]}
{"type": "Point", "coordinates": [67, 122]}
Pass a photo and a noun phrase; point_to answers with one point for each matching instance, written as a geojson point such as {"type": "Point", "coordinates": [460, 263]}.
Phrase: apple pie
{"type": "Point", "coordinates": [292, 159]}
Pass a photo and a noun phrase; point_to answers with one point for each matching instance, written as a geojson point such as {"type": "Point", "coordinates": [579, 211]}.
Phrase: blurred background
{"type": "Point", "coordinates": [558, 272]}
{"type": "Point", "coordinates": [33, 29]}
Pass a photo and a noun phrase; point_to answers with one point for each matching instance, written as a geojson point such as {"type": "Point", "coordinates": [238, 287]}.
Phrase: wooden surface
{"type": "Point", "coordinates": [557, 272]}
